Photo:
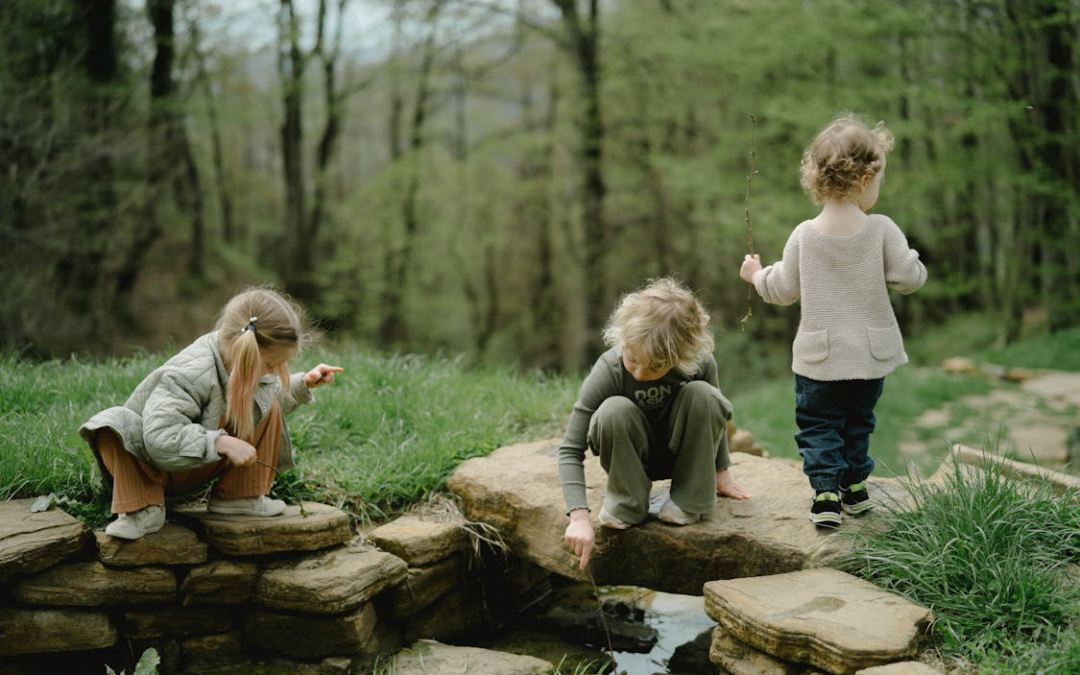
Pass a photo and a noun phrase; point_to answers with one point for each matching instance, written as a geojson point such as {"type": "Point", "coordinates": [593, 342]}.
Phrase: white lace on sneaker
{"type": "Point", "coordinates": [137, 523]}
{"type": "Point", "coordinates": [672, 513]}
{"type": "Point", "coordinates": [247, 506]}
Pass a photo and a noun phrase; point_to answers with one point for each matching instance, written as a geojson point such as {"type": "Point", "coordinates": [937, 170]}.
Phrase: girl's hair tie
{"type": "Point", "coordinates": [251, 324]}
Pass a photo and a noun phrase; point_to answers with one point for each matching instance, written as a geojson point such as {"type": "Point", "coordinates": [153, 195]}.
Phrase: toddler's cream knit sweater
{"type": "Point", "coordinates": [848, 330]}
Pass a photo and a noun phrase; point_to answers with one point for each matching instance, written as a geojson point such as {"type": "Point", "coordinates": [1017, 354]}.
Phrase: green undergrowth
{"type": "Point", "coordinates": [386, 434]}
{"type": "Point", "coordinates": [996, 561]}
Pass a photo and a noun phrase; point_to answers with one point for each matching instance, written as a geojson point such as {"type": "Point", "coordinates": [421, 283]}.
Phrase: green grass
{"type": "Point", "coordinates": [994, 559]}
{"type": "Point", "coordinates": [387, 433]}
{"type": "Point", "coordinates": [1059, 351]}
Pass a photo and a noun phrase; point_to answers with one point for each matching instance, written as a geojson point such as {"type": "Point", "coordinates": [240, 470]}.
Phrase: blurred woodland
{"type": "Point", "coordinates": [487, 176]}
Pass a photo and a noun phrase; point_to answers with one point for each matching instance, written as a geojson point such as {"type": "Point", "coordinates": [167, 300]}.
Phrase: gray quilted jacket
{"type": "Point", "coordinates": [172, 418]}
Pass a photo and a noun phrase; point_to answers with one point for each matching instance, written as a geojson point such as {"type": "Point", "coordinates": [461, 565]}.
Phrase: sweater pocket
{"type": "Point", "coordinates": [884, 342]}
{"type": "Point", "coordinates": [811, 346]}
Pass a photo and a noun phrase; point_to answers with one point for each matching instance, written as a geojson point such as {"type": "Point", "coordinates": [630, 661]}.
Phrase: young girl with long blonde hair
{"type": "Point", "coordinates": [214, 410]}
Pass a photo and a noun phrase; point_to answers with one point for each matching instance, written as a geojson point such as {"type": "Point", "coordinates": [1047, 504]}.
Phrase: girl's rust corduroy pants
{"type": "Point", "coordinates": [138, 484]}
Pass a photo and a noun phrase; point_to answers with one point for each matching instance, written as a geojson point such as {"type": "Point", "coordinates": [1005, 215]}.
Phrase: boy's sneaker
{"type": "Point", "coordinates": [247, 506]}
{"type": "Point", "coordinates": [855, 499]}
{"type": "Point", "coordinates": [672, 513]}
{"type": "Point", "coordinates": [137, 523]}
{"type": "Point", "coordinates": [611, 522]}
{"type": "Point", "coordinates": [825, 510]}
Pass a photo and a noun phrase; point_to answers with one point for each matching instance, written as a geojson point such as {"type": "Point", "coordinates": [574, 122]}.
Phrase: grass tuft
{"type": "Point", "coordinates": [994, 559]}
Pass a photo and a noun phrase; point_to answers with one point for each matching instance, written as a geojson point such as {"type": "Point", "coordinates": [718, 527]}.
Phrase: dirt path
{"type": "Point", "coordinates": [1034, 420]}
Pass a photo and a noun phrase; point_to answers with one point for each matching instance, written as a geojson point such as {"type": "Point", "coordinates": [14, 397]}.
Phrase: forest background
{"type": "Point", "coordinates": [487, 176]}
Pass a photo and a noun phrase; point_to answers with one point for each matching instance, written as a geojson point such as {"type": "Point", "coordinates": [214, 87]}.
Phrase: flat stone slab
{"type": "Point", "coordinates": [516, 489]}
{"type": "Point", "coordinates": [419, 542]}
{"type": "Point", "coordinates": [222, 582]}
{"type": "Point", "coordinates": [38, 631]}
{"type": "Point", "coordinates": [824, 617]}
{"type": "Point", "coordinates": [30, 542]}
{"type": "Point", "coordinates": [171, 545]}
{"type": "Point", "coordinates": [427, 657]}
{"type": "Point", "coordinates": [93, 584]}
{"type": "Point", "coordinates": [330, 583]}
{"type": "Point", "coordinates": [1055, 385]}
{"type": "Point", "coordinates": [901, 668]}
{"type": "Point", "coordinates": [424, 585]}
{"type": "Point", "coordinates": [738, 658]}
{"type": "Point", "coordinates": [323, 526]}
{"type": "Point", "coordinates": [310, 637]}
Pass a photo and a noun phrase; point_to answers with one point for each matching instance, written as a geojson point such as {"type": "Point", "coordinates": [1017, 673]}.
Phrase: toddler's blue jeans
{"type": "Point", "coordinates": [835, 422]}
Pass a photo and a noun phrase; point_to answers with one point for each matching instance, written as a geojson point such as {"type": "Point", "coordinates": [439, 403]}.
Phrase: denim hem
{"type": "Point", "coordinates": [821, 484]}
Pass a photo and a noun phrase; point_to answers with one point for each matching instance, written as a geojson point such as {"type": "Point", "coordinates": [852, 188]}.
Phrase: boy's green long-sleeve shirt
{"type": "Point", "coordinates": [609, 378]}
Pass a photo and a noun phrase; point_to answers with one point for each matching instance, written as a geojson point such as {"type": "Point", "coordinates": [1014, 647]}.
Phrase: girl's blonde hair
{"type": "Point", "coordinates": [665, 322]}
{"type": "Point", "coordinates": [257, 322]}
{"type": "Point", "coordinates": [846, 151]}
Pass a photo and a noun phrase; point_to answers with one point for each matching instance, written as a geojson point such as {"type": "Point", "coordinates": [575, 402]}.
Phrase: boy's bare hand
{"type": "Point", "coordinates": [321, 374]}
{"type": "Point", "coordinates": [238, 452]}
{"type": "Point", "coordinates": [726, 486]}
{"type": "Point", "coordinates": [751, 265]}
{"type": "Point", "coordinates": [579, 535]}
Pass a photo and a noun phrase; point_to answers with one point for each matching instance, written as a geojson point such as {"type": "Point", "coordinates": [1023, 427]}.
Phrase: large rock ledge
{"type": "Point", "coordinates": [516, 489]}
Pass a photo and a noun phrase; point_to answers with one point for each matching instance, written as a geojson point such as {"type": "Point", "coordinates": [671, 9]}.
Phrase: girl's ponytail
{"type": "Point", "coordinates": [257, 324]}
{"type": "Point", "coordinates": [243, 381]}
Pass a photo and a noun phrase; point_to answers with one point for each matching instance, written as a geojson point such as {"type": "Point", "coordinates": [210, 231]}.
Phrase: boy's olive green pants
{"type": "Point", "coordinates": [619, 432]}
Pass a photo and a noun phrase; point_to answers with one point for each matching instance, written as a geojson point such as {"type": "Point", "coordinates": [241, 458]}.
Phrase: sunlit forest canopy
{"type": "Point", "coordinates": [487, 176]}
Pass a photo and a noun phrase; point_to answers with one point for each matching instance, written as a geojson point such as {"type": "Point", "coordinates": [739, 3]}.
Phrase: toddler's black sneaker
{"type": "Point", "coordinates": [825, 509]}
{"type": "Point", "coordinates": [855, 499]}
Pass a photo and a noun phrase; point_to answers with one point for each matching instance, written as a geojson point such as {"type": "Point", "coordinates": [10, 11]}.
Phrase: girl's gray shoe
{"type": "Point", "coordinates": [137, 523]}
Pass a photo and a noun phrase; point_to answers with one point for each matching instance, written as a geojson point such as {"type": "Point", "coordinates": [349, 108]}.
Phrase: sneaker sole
{"type": "Point", "coordinates": [826, 519]}
{"type": "Point", "coordinates": [243, 512]}
{"type": "Point", "coordinates": [857, 509]}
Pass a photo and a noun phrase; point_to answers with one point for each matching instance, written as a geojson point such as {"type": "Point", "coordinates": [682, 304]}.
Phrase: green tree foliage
{"type": "Point", "coordinates": [468, 181]}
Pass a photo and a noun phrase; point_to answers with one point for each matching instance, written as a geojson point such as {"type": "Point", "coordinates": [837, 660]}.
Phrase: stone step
{"type": "Point", "coordinates": [320, 527]}
{"type": "Point", "coordinates": [171, 545]}
{"type": "Point", "coordinates": [516, 489]}
{"type": "Point", "coordinates": [427, 657]}
{"type": "Point", "coordinates": [330, 582]}
{"type": "Point", "coordinates": [419, 542]}
{"type": "Point", "coordinates": [92, 584]}
{"type": "Point", "coordinates": [31, 542]}
{"type": "Point", "coordinates": [823, 617]}
{"type": "Point", "coordinates": [32, 631]}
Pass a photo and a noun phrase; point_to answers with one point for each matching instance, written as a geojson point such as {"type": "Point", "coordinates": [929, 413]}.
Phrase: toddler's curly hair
{"type": "Point", "coordinates": [665, 322]}
{"type": "Point", "coordinates": [845, 151]}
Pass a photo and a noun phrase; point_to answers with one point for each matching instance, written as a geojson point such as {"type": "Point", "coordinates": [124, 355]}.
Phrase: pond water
{"type": "Point", "coordinates": [653, 633]}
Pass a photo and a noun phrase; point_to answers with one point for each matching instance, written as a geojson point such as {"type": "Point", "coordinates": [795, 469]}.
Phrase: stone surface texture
{"type": "Point", "coordinates": [175, 622]}
{"type": "Point", "coordinates": [901, 668]}
{"type": "Point", "coordinates": [31, 542]}
{"type": "Point", "coordinates": [516, 489]}
{"type": "Point", "coordinates": [171, 545]}
{"type": "Point", "coordinates": [419, 542]}
{"type": "Point", "coordinates": [222, 582]}
{"type": "Point", "coordinates": [824, 617]}
{"type": "Point", "coordinates": [92, 584]}
{"type": "Point", "coordinates": [33, 631]}
{"type": "Point", "coordinates": [739, 658]}
{"type": "Point", "coordinates": [453, 615]}
{"type": "Point", "coordinates": [427, 657]}
{"type": "Point", "coordinates": [323, 526]}
{"type": "Point", "coordinates": [330, 583]}
{"type": "Point", "coordinates": [424, 585]}
{"type": "Point", "coordinates": [310, 636]}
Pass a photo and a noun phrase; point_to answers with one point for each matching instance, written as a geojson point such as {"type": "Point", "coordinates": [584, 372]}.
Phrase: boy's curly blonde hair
{"type": "Point", "coordinates": [666, 324]}
{"type": "Point", "coordinates": [843, 153]}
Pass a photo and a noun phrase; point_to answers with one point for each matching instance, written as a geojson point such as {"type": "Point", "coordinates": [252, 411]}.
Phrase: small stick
{"type": "Point", "coordinates": [749, 227]}
{"type": "Point", "coordinates": [603, 621]}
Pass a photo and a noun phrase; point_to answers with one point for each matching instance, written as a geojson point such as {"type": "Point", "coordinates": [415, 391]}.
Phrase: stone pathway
{"type": "Point", "coordinates": [1036, 417]}
{"type": "Point", "coordinates": [516, 489]}
{"type": "Point", "coordinates": [824, 618]}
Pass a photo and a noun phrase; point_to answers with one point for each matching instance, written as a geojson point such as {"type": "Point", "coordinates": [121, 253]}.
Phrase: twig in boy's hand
{"type": "Point", "coordinates": [749, 227]}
